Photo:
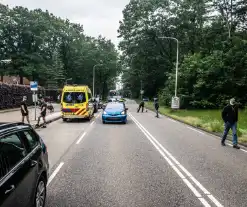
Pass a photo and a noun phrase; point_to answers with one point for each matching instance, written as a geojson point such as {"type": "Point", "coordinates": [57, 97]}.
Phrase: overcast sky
{"type": "Point", "coordinates": [97, 16]}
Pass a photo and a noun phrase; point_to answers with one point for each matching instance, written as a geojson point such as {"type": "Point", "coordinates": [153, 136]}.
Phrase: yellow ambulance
{"type": "Point", "coordinates": [76, 102]}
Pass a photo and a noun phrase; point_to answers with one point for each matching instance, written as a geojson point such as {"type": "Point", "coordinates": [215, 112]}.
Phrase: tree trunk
{"type": "Point", "coordinates": [21, 79]}
{"type": "Point", "coordinates": [103, 89]}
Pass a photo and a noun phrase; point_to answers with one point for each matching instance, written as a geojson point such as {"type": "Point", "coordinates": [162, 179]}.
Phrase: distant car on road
{"type": "Point", "coordinates": [112, 100]}
{"type": "Point", "coordinates": [24, 166]}
{"type": "Point", "coordinates": [115, 112]}
{"type": "Point", "coordinates": [100, 104]}
{"type": "Point", "coordinates": [145, 99]}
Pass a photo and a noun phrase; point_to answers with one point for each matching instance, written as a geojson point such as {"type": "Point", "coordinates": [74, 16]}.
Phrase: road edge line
{"type": "Point", "coordinates": [196, 182]}
{"type": "Point", "coordinates": [179, 173]}
{"type": "Point", "coordinates": [52, 176]}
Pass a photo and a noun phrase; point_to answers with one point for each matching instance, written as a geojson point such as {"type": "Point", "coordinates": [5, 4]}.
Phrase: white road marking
{"type": "Point", "coordinates": [79, 140]}
{"type": "Point", "coordinates": [204, 202]}
{"type": "Point", "coordinates": [172, 120]}
{"type": "Point", "coordinates": [243, 150]}
{"type": "Point", "coordinates": [92, 123]}
{"type": "Point", "coordinates": [195, 130]}
{"type": "Point", "coordinates": [55, 173]}
{"type": "Point", "coordinates": [240, 149]}
{"type": "Point", "coordinates": [163, 151]}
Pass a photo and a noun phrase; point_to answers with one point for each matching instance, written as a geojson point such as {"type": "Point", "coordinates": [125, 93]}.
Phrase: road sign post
{"type": "Point", "coordinates": [34, 88]}
{"type": "Point", "coordinates": [175, 103]}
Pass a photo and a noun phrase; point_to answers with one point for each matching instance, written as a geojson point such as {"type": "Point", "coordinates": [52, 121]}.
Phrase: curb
{"type": "Point", "coordinates": [216, 134]}
{"type": "Point", "coordinates": [48, 122]}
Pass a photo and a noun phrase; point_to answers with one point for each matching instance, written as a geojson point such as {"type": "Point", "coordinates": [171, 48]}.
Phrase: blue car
{"type": "Point", "coordinates": [115, 112]}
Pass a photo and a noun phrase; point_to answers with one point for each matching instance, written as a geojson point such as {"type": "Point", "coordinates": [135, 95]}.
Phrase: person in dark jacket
{"type": "Point", "coordinates": [42, 113]}
{"type": "Point", "coordinates": [141, 105]}
{"type": "Point", "coordinates": [230, 118]}
{"type": "Point", "coordinates": [24, 110]}
{"type": "Point", "coordinates": [156, 106]}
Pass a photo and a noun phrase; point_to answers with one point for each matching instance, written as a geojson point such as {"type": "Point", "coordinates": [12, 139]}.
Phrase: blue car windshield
{"type": "Point", "coordinates": [115, 107]}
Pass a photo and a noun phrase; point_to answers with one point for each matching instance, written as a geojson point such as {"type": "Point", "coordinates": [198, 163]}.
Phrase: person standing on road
{"type": "Point", "coordinates": [230, 118]}
{"type": "Point", "coordinates": [141, 105]}
{"type": "Point", "coordinates": [24, 110]}
{"type": "Point", "coordinates": [156, 106]}
{"type": "Point", "coordinates": [58, 98]}
{"type": "Point", "coordinates": [42, 113]}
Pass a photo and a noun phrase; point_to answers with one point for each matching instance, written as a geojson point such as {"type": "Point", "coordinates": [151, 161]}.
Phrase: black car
{"type": "Point", "coordinates": [145, 99]}
{"type": "Point", "coordinates": [24, 166]}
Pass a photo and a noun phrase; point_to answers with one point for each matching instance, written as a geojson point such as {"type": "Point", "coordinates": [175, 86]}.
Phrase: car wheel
{"type": "Point", "coordinates": [103, 122]}
{"type": "Point", "coordinates": [125, 122]}
{"type": "Point", "coordinates": [40, 194]}
{"type": "Point", "coordinates": [64, 119]}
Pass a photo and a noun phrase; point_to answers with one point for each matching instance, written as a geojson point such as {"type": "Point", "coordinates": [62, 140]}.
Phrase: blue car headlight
{"type": "Point", "coordinates": [104, 113]}
{"type": "Point", "coordinates": [123, 112]}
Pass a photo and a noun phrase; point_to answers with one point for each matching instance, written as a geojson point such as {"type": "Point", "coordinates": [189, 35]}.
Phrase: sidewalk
{"type": "Point", "coordinates": [15, 116]}
{"type": "Point", "coordinates": [13, 109]}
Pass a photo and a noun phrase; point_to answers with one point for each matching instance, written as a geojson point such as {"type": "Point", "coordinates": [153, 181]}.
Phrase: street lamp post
{"type": "Point", "coordinates": [131, 60]}
{"type": "Point", "coordinates": [94, 75]}
{"type": "Point", "coordinates": [175, 100]}
{"type": "Point", "coordinates": [66, 81]}
{"type": "Point", "coordinates": [141, 90]}
{"type": "Point", "coordinates": [176, 81]}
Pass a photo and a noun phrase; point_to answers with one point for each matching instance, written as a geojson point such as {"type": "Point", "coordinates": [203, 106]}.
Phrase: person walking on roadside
{"type": "Point", "coordinates": [42, 113]}
{"type": "Point", "coordinates": [230, 118]}
{"type": "Point", "coordinates": [141, 105]}
{"type": "Point", "coordinates": [156, 106]}
{"type": "Point", "coordinates": [24, 110]}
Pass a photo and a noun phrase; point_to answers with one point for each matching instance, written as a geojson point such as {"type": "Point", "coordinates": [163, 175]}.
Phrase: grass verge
{"type": "Point", "coordinates": [209, 120]}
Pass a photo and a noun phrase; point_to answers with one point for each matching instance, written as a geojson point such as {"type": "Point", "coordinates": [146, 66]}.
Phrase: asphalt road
{"type": "Point", "coordinates": [147, 162]}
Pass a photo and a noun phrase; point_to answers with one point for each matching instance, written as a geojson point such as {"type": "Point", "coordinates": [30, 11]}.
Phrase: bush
{"type": "Point", "coordinates": [11, 95]}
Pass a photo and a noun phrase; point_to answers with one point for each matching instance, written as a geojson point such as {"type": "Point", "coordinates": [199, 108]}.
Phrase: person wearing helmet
{"type": "Point", "coordinates": [156, 106]}
{"type": "Point", "coordinates": [24, 110]}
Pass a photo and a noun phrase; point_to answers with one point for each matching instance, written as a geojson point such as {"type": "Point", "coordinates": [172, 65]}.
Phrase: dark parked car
{"type": "Point", "coordinates": [145, 99]}
{"type": "Point", "coordinates": [24, 166]}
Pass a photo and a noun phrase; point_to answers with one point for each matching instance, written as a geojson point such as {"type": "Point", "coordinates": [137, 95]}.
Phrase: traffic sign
{"type": "Point", "coordinates": [175, 103]}
{"type": "Point", "coordinates": [34, 85]}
